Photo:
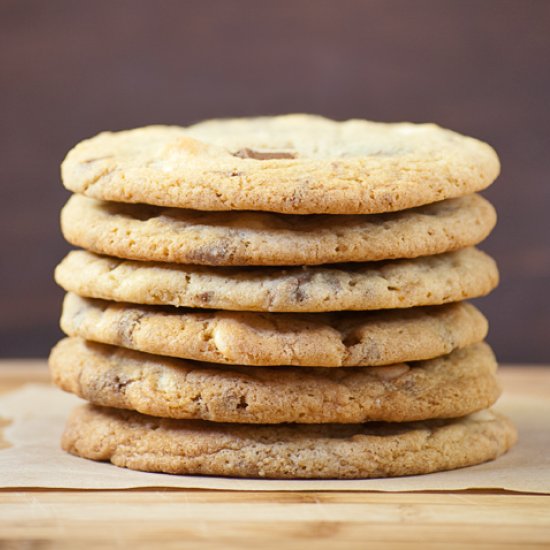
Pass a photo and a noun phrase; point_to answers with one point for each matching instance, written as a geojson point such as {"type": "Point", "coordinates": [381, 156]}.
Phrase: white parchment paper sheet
{"type": "Point", "coordinates": [36, 414]}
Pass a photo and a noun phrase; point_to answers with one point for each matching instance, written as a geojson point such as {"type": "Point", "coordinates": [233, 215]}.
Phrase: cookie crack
{"type": "Point", "coordinates": [95, 179]}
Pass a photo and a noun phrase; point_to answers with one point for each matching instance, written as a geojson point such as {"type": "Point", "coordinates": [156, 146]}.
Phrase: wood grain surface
{"type": "Point", "coordinates": [57, 519]}
{"type": "Point", "coordinates": [71, 69]}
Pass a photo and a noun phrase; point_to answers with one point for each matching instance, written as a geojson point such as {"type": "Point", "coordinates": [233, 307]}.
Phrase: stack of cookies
{"type": "Point", "coordinates": [279, 297]}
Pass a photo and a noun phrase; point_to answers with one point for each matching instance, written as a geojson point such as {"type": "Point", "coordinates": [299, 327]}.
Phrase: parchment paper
{"type": "Point", "coordinates": [35, 417]}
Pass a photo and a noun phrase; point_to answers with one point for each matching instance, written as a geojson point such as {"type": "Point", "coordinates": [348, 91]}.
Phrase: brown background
{"type": "Point", "coordinates": [70, 69]}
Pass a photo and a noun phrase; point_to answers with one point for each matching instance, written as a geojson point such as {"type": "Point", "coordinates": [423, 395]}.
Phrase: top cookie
{"type": "Point", "coordinates": [294, 164]}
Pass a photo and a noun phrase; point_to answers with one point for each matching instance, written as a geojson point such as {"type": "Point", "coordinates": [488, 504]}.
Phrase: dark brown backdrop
{"type": "Point", "coordinates": [70, 69]}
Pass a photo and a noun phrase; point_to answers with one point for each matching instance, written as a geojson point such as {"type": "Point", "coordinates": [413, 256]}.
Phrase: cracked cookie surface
{"type": "Point", "coordinates": [430, 280]}
{"type": "Point", "coordinates": [151, 233]}
{"type": "Point", "coordinates": [272, 339]}
{"type": "Point", "coordinates": [139, 442]}
{"type": "Point", "coordinates": [294, 164]}
{"type": "Point", "coordinates": [452, 385]}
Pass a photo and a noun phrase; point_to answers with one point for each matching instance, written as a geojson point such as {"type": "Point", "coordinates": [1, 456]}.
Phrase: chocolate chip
{"type": "Point", "coordinates": [299, 294]}
{"type": "Point", "coordinates": [214, 254]}
{"type": "Point", "coordinates": [120, 383]}
{"type": "Point", "coordinates": [247, 153]}
{"type": "Point", "coordinates": [352, 339]}
{"type": "Point", "coordinates": [127, 325]}
{"type": "Point", "coordinates": [242, 404]}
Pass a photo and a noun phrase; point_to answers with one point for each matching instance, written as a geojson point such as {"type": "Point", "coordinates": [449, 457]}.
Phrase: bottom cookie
{"type": "Point", "coordinates": [133, 440]}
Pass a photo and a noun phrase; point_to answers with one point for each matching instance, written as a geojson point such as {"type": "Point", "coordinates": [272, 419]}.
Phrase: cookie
{"type": "Point", "coordinates": [430, 280]}
{"type": "Point", "coordinates": [352, 451]}
{"type": "Point", "coordinates": [449, 386]}
{"type": "Point", "coordinates": [150, 233]}
{"type": "Point", "coordinates": [271, 339]}
{"type": "Point", "coordinates": [297, 164]}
